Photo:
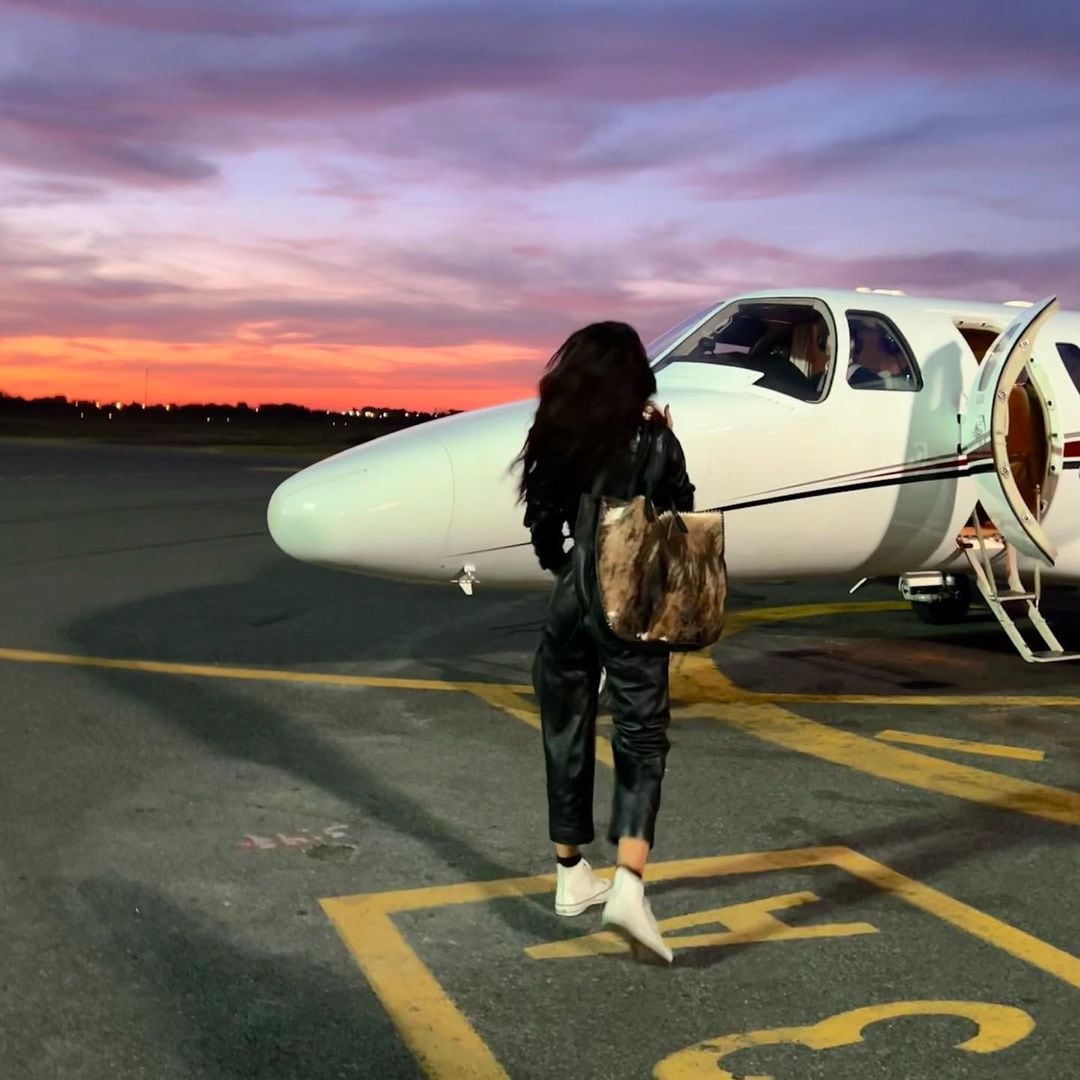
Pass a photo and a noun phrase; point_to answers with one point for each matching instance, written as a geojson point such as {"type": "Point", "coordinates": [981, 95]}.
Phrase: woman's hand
{"type": "Point", "coordinates": [652, 412]}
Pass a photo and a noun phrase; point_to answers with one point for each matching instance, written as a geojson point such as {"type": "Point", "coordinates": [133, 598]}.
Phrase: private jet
{"type": "Point", "coordinates": [857, 434]}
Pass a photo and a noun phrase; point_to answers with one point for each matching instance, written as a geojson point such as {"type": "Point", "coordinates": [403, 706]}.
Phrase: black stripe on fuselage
{"type": "Point", "coordinates": [839, 489]}
{"type": "Point", "coordinates": [896, 481]}
{"type": "Point", "coordinates": [865, 485]}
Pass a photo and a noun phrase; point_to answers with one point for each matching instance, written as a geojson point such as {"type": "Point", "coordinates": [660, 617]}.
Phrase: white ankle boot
{"type": "Point", "coordinates": [628, 912]}
{"type": "Point", "coordinates": [578, 888]}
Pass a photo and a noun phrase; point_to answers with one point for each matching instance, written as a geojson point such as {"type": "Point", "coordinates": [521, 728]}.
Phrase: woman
{"type": "Point", "coordinates": [594, 405]}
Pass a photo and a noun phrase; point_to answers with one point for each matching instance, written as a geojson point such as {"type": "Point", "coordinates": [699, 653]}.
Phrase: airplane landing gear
{"type": "Point", "coordinates": [937, 598]}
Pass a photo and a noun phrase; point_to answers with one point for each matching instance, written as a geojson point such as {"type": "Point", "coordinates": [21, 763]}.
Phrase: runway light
{"type": "Point", "coordinates": [1018, 303]}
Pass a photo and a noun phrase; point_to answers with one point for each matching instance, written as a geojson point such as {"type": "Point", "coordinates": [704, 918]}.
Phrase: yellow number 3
{"type": "Point", "coordinates": [999, 1027]}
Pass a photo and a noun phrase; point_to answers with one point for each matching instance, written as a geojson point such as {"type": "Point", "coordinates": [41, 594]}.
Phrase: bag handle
{"type": "Point", "coordinates": [642, 479]}
{"type": "Point", "coordinates": [646, 450]}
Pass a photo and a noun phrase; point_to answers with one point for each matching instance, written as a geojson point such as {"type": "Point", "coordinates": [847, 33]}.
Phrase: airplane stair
{"type": "Point", "coordinates": [1013, 602]}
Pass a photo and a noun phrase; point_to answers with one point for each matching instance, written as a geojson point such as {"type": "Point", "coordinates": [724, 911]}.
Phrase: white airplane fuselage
{"type": "Point", "coordinates": [838, 478]}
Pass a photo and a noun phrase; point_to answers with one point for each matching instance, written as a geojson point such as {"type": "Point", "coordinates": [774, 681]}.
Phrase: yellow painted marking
{"type": "Point", "coordinates": [1003, 701]}
{"type": "Point", "coordinates": [737, 621]}
{"type": "Point", "coordinates": [213, 671]}
{"type": "Point", "coordinates": [1019, 944]}
{"type": "Point", "coordinates": [940, 742]}
{"type": "Point", "coordinates": [448, 1046]}
{"type": "Point", "coordinates": [685, 671]}
{"type": "Point", "coordinates": [441, 1039]}
{"type": "Point", "coordinates": [746, 924]}
{"type": "Point", "coordinates": [997, 1028]}
{"type": "Point", "coordinates": [695, 678]}
{"type": "Point", "coordinates": [352, 908]}
{"type": "Point", "coordinates": [841, 747]}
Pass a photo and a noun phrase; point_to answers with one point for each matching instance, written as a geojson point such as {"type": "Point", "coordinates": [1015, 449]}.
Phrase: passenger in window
{"type": "Point", "coordinates": [875, 356]}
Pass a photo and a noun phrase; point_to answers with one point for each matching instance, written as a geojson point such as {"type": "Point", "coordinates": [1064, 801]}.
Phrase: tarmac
{"type": "Point", "coordinates": [267, 820]}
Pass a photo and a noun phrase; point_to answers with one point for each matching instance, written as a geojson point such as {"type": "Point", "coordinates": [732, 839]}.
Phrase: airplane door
{"type": "Point", "coordinates": [1015, 430]}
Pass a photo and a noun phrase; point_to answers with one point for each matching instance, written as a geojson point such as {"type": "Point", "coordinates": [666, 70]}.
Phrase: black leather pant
{"type": "Point", "coordinates": [566, 675]}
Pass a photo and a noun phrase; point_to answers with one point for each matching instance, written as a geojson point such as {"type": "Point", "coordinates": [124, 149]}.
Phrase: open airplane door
{"type": "Point", "coordinates": [1014, 424]}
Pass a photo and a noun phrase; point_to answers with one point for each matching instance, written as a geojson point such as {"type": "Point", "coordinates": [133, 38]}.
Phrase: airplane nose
{"type": "Point", "coordinates": [381, 509]}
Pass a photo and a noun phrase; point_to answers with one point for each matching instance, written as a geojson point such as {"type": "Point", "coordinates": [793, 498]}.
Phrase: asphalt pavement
{"type": "Point", "coordinates": [266, 820]}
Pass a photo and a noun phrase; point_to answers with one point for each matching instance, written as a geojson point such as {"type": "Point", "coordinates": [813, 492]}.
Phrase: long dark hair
{"type": "Point", "coordinates": [592, 394]}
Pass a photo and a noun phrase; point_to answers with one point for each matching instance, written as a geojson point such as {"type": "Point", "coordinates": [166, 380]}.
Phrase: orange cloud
{"type": "Point", "coordinates": [251, 369]}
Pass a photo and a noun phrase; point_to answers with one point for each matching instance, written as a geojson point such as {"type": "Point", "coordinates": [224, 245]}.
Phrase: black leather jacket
{"type": "Point", "coordinates": [546, 514]}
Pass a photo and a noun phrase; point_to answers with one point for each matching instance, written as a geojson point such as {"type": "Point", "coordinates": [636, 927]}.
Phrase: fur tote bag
{"type": "Point", "coordinates": [652, 581]}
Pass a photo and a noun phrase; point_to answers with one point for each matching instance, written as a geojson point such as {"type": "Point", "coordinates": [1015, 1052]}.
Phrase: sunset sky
{"type": "Point", "coordinates": [347, 202]}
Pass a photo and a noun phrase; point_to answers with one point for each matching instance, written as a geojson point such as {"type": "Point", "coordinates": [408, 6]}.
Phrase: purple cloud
{"type": "Point", "coordinates": [161, 113]}
{"type": "Point", "coordinates": [242, 18]}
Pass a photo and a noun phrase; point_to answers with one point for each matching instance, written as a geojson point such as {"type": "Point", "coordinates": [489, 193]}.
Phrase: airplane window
{"type": "Point", "coordinates": [657, 346]}
{"type": "Point", "coordinates": [1070, 357]}
{"type": "Point", "coordinates": [790, 344]}
{"type": "Point", "coordinates": [880, 358]}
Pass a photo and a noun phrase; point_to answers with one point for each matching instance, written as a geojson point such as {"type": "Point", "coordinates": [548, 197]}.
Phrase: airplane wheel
{"type": "Point", "coordinates": [949, 609]}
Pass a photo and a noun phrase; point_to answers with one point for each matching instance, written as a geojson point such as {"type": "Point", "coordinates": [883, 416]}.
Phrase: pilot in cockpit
{"type": "Point", "coordinates": [875, 358]}
{"type": "Point", "coordinates": [817, 357]}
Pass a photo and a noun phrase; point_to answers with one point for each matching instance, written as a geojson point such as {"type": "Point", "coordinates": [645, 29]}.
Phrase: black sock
{"type": "Point", "coordinates": [636, 873]}
{"type": "Point", "coordinates": [571, 860]}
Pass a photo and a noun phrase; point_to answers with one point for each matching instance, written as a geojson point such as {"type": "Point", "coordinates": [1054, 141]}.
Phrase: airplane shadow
{"type": "Point", "coordinates": [894, 653]}
{"type": "Point", "coordinates": [291, 616]}
{"type": "Point", "coordinates": [288, 616]}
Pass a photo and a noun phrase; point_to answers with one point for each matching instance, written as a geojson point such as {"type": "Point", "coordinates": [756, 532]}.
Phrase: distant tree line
{"type": "Point", "coordinates": [279, 423]}
{"type": "Point", "coordinates": [60, 404]}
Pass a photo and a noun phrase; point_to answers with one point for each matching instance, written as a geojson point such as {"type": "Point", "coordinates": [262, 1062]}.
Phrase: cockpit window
{"type": "Point", "coordinates": [880, 358]}
{"type": "Point", "coordinates": [790, 344]}
{"type": "Point", "coordinates": [658, 346]}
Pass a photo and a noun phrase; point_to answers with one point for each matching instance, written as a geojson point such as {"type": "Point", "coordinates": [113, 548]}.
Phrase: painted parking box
{"type": "Point", "coordinates": [806, 951]}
